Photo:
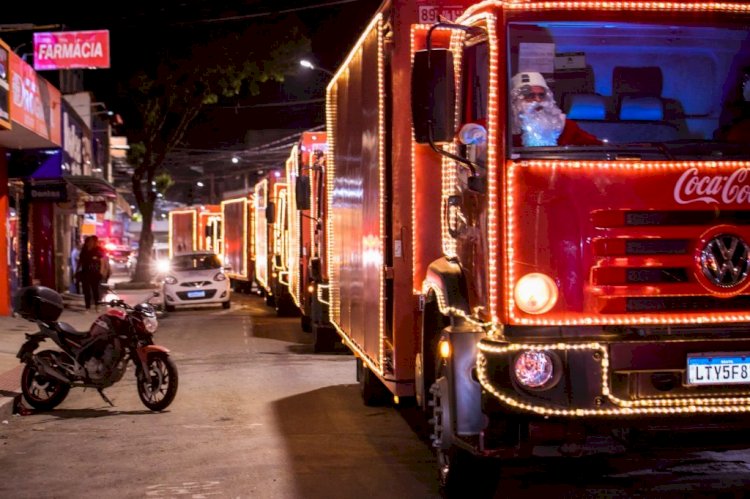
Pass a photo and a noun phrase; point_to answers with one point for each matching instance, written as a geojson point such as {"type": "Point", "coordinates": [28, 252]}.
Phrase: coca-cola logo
{"type": "Point", "coordinates": [692, 187]}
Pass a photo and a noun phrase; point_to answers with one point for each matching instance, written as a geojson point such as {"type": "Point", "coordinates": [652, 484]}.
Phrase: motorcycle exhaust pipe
{"type": "Point", "coordinates": [47, 369]}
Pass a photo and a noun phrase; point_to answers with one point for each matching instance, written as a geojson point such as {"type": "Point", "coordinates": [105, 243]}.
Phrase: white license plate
{"type": "Point", "coordinates": [718, 369]}
{"type": "Point", "coordinates": [196, 294]}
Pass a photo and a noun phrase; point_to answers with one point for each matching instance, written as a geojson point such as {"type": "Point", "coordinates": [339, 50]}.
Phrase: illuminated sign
{"type": "Point", "coordinates": [71, 49]}
{"type": "Point", "coordinates": [34, 102]}
{"type": "Point", "coordinates": [4, 87]}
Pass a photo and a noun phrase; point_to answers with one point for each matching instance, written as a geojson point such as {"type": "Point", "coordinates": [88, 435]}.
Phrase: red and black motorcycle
{"type": "Point", "coordinates": [96, 358]}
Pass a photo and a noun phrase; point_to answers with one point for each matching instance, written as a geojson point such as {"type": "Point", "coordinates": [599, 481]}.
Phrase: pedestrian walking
{"type": "Point", "coordinates": [75, 285]}
{"type": "Point", "coordinates": [90, 270]}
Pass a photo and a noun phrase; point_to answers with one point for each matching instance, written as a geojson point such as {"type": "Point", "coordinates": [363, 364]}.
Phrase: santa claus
{"type": "Point", "coordinates": [537, 121]}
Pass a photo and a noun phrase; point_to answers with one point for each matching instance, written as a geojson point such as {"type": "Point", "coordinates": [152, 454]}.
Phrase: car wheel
{"type": "Point", "coordinates": [169, 308]}
{"type": "Point", "coordinates": [226, 304]}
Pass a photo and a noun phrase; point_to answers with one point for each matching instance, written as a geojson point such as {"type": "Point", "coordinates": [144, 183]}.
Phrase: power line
{"type": "Point", "coordinates": [272, 104]}
{"type": "Point", "coordinates": [264, 14]}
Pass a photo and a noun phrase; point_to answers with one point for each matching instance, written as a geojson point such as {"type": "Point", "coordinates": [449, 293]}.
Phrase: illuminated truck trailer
{"type": "Point", "coordinates": [237, 242]}
{"type": "Point", "coordinates": [538, 220]}
{"type": "Point", "coordinates": [195, 228]}
{"type": "Point", "coordinates": [270, 239]}
{"type": "Point", "coordinates": [305, 176]}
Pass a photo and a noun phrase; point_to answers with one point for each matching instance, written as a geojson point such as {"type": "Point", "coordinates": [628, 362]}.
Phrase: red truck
{"type": "Point", "coordinates": [270, 241]}
{"type": "Point", "coordinates": [195, 228]}
{"type": "Point", "coordinates": [238, 220]}
{"type": "Point", "coordinates": [538, 220]}
{"type": "Point", "coordinates": [305, 174]}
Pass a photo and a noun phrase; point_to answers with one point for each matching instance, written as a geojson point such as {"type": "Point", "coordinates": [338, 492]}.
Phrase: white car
{"type": "Point", "coordinates": [195, 279]}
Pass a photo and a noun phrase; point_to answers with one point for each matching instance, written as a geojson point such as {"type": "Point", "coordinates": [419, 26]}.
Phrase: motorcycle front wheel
{"type": "Point", "coordinates": [158, 389]}
{"type": "Point", "coordinates": [42, 392]}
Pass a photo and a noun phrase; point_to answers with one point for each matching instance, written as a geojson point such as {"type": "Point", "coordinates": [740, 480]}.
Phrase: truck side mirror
{"type": "Point", "coordinates": [302, 192]}
{"type": "Point", "coordinates": [271, 212]}
{"type": "Point", "coordinates": [433, 96]}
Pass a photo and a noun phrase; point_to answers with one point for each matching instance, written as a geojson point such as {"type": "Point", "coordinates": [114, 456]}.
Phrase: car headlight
{"type": "Point", "coordinates": [170, 280]}
{"type": "Point", "coordinates": [220, 277]}
{"type": "Point", "coordinates": [535, 293]}
{"type": "Point", "coordinates": [162, 266]}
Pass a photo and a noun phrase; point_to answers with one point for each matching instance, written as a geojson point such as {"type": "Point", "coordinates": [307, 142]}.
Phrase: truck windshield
{"type": "Point", "coordinates": [604, 90]}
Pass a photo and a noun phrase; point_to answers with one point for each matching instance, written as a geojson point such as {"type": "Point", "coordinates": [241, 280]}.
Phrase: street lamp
{"type": "Point", "coordinates": [309, 65]}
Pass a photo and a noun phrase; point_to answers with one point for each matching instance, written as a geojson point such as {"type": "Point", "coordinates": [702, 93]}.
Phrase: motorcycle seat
{"type": "Point", "coordinates": [66, 328]}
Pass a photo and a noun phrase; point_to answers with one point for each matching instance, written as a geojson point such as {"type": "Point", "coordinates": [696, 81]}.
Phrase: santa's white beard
{"type": "Point", "coordinates": [540, 123]}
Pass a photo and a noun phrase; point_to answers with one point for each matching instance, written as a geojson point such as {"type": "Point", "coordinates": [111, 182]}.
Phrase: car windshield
{"type": "Point", "coordinates": [195, 262]}
{"type": "Point", "coordinates": [641, 91]}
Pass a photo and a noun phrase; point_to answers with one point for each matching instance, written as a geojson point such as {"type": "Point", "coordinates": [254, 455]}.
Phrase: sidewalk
{"type": "Point", "coordinates": [13, 329]}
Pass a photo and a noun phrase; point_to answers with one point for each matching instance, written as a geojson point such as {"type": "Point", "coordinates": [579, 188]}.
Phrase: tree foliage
{"type": "Point", "coordinates": [166, 96]}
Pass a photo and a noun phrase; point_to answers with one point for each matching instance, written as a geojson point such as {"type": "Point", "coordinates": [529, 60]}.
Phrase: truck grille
{"type": "Point", "coordinates": [647, 261]}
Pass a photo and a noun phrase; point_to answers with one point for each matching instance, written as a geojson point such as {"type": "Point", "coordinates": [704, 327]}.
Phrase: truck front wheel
{"type": "Point", "coordinates": [458, 469]}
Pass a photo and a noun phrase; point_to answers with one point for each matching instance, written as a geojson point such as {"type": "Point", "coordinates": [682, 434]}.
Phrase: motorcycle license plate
{"type": "Point", "coordinates": [718, 368]}
{"type": "Point", "coordinates": [196, 294]}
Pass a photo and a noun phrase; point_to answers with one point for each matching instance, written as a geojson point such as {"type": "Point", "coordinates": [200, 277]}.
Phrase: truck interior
{"type": "Point", "coordinates": [661, 91]}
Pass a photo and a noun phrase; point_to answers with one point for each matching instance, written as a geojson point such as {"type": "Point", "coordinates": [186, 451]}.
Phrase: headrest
{"type": "Point", "coordinates": [638, 81]}
{"type": "Point", "coordinates": [586, 107]}
{"type": "Point", "coordinates": [642, 109]}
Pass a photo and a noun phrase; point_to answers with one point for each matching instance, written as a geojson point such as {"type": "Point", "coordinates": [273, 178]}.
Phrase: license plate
{"type": "Point", "coordinates": [718, 369]}
{"type": "Point", "coordinates": [196, 294]}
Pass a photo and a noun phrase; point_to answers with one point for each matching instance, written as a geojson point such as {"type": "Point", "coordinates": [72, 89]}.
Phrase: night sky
{"type": "Point", "coordinates": [137, 28]}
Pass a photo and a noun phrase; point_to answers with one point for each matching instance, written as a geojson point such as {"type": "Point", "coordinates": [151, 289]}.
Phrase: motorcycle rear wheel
{"type": "Point", "coordinates": [40, 391]}
{"type": "Point", "coordinates": [158, 393]}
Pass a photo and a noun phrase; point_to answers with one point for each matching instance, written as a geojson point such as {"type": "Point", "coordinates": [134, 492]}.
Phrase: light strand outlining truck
{"type": "Point", "coordinates": [305, 258]}
{"type": "Point", "coordinates": [196, 228]}
{"type": "Point", "coordinates": [530, 296]}
{"type": "Point", "coordinates": [238, 254]}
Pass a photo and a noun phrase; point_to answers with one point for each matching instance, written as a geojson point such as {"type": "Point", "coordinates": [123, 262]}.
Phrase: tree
{"type": "Point", "coordinates": [167, 97]}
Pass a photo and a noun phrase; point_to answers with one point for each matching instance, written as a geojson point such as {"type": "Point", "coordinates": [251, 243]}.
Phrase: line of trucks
{"type": "Point", "coordinates": [522, 297]}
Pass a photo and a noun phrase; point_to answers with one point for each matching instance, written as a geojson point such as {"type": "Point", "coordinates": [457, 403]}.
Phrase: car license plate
{"type": "Point", "coordinates": [718, 368]}
{"type": "Point", "coordinates": [196, 294]}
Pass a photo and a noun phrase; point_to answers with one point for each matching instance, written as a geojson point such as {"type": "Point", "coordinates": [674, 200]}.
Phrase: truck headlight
{"type": "Point", "coordinates": [535, 293]}
{"type": "Point", "coordinates": [534, 369]}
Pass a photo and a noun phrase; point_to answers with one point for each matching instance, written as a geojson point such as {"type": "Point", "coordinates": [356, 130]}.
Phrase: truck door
{"type": "Point", "coordinates": [465, 208]}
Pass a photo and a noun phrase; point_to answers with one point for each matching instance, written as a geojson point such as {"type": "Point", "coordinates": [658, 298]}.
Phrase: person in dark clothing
{"type": "Point", "coordinates": [90, 270]}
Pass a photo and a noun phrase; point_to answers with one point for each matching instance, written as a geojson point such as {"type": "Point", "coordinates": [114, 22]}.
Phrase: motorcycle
{"type": "Point", "coordinates": [96, 358]}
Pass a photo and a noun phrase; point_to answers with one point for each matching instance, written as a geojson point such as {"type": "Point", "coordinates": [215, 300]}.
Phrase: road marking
{"type": "Point", "coordinates": [196, 490]}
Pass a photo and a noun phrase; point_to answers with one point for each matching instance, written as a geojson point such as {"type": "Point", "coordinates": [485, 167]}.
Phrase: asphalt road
{"type": "Point", "coordinates": [259, 415]}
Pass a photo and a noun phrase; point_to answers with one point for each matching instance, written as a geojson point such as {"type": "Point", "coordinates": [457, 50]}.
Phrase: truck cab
{"type": "Point", "coordinates": [584, 284]}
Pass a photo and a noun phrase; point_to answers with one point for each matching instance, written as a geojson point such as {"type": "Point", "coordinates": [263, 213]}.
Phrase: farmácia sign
{"type": "Point", "coordinates": [71, 49]}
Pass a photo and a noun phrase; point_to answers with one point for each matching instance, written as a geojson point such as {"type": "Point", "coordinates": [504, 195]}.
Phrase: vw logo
{"type": "Point", "coordinates": [724, 260]}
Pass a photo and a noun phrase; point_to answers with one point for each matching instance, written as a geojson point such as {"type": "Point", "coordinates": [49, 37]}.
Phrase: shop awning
{"type": "Point", "coordinates": [98, 187]}
{"type": "Point", "coordinates": [94, 186]}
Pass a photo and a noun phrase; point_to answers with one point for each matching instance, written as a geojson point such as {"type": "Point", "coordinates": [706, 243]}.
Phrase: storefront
{"type": "Point", "coordinates": [47, 181]}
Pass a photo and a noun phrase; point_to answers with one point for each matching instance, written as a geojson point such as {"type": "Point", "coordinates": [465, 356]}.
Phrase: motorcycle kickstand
{"type": "Point", "coordinates": [106, 399]}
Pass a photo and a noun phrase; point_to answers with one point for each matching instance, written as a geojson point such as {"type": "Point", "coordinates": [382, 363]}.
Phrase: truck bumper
{"type": "Point", "coordinates": [637, 379]}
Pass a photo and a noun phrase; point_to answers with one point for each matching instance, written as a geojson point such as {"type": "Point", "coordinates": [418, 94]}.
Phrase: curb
{"type": "Point", "coordinates": [10, 392]}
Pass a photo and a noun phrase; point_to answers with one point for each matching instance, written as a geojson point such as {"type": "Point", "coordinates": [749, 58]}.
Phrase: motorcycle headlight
{"type": "Point", "coordinates": [150, 324]}
{"type": "Point", "coordinates": [170, 279]}
{"type": "Point", "coordinates": [220, 277]}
